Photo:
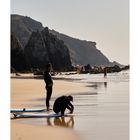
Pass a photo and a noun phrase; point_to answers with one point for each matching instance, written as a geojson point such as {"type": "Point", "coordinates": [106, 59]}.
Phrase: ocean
{"type": "Point", "coordinates": [104, 113]}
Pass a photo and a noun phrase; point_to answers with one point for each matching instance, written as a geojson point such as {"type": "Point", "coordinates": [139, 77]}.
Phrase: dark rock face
{"type": "Point", "coordinates": [83, 52]}
{"type": "Point", "coordinates": [18, 60]}
{"type": "Point", "coordinates": [23, 27]}
{"type": "Point", "coordinates": [44, 47]}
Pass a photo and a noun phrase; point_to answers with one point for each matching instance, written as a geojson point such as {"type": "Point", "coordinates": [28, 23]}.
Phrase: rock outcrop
{"type": "Point", "coordinates": [23, 26]}
{"type": "Point", "coordinates": [18, 60]}
{"type": "Point", "coordinates": [44, 47]}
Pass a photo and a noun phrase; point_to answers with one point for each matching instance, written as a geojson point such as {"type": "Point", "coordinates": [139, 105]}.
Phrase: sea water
{"type": "Point", "coordinates": [103, 113]}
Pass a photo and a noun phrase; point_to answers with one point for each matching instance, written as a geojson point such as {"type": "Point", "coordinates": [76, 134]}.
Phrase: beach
{"type": "Point", "coordinates": [30, 93]}
{"type": "Point", "coordinates": [101, 108]}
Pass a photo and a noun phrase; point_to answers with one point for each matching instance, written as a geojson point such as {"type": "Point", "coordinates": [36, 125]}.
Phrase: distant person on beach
{"type": "Point", "coordinates": [49, 84]}
{"type": "Point", "coordinates": [61, 103]}
{"type": "Point", "coordinates": [105, 71]}
{"type": "Point", "coordinates": [105, 84]}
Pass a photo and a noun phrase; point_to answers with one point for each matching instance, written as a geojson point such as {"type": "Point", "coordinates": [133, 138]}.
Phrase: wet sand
{"type": "Point", "coordinates": [30, 93]}
{"type": "Point", "coordinates": [30, 132]}
{"type": "Point", "coordinates": [101, 109]}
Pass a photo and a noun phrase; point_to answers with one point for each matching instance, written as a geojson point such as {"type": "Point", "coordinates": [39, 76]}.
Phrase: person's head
{"type": "Point", "coordinates": [70, 98]}
{"type": "Point", "coordinates": [49, 67]}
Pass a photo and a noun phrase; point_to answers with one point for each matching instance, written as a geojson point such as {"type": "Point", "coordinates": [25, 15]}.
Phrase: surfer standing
{"type": "Point", "coordinates": [49, 84]}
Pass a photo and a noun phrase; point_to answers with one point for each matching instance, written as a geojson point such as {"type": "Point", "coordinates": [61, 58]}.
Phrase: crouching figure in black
{"type": "Point", "coordinates": [61, 103]}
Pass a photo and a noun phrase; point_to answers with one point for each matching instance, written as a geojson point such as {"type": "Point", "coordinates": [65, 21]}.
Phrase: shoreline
{"type": "Point", "coordinates": [27, 91]}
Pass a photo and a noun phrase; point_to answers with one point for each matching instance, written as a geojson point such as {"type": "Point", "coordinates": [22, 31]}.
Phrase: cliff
{"type": "Point", "coordinates": [83, 52]}
{"type": "Point", "coordinates": [44, 47]}
{"type": "Point", "coordinates": [18, 60]}
{"type": "Point", "coordinates": [23, 26]}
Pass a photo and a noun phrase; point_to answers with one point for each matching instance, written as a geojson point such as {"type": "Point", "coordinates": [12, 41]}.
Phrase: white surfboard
{"type": "Point", "coordinates": [27, 110]}
{"type": "Point", "coordinates": [41, 115]}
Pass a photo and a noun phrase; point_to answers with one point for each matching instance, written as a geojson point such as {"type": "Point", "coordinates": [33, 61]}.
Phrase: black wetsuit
{"type": "Point", "coordinates": [49, 84]}
{"type": "Point", "coordinates": [61, 103]}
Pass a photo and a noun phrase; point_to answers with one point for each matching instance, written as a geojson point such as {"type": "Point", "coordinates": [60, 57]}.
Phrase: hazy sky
{"type": "Point", "coordinates": [104, 21]}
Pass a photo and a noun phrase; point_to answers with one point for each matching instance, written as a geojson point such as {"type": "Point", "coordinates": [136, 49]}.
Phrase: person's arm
{"type": "Point", "coordinates": [48, 80]}
{"type": "Point", "coordinates": [70, 107]}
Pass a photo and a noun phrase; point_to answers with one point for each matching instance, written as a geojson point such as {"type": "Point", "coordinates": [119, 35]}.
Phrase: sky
{"type": "Point", "coordinates": [104, 21]}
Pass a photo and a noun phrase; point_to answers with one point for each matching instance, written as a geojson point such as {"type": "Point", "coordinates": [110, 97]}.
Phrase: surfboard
{"type": "Point", "coordinates": [26, 110]}
{"type": "Point", "coordinates": [19, 112]}
{"type": "Point", "coordinates": [27, 115]}
{"type": "Point", "coordinates": [42, 115]}
{"type": "Point", "coordinates": [34, 113]}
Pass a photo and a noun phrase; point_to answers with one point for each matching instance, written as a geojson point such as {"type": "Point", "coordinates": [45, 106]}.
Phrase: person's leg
{"type": "Point", "coordinates": [63, 110]}
{"type": "Point", "coordinates": [56, 110]}
{"type": "Point", "coordinates": [48, 96]}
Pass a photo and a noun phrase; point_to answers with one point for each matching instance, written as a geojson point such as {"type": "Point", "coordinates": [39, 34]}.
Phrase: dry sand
{"type": "Point", "coordinates": [23, 93]}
